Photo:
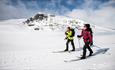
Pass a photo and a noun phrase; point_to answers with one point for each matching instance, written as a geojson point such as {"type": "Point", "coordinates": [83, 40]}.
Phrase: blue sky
{"type": "Point", "coordinates": [94, 11]}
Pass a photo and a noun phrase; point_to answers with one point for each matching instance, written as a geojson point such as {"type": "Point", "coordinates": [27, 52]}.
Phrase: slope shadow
{"type": "Point", "coordinates": [99, 51]}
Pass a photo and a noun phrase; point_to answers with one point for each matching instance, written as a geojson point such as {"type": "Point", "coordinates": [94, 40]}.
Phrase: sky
{"type": "Point", "coordinates": [93, 11]}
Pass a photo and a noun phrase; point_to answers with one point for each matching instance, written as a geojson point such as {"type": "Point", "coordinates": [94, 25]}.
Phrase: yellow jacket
{"type": "Point", "coordinates": [69, 34]}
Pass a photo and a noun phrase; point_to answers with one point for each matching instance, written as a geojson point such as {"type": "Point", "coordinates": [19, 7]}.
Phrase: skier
{"type": "Point", "coordinates": [70, 38]}
{"type": "Point", "coordinates": [87, 37]}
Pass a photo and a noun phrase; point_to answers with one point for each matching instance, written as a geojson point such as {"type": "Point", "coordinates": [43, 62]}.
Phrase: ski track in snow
{"type": "Point", "coordinates": [23, 49]}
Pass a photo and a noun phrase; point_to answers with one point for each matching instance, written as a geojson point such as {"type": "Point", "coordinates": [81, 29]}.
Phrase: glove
{"type": "Point", "coordinates": [91, 43]}
{"type": "Point", "coordinates": [66, 33]}
{"type": "Point", "coordinates": [78, 36]}
{"type": "Point", "coordinates": [65, 38]}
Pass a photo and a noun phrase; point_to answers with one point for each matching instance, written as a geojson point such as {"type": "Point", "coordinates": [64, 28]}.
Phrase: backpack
{"type": "Point", "coordinates": [73, 32]}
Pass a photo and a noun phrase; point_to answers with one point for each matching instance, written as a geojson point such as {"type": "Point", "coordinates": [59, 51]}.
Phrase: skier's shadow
{"type": "Point", "coordinates": [101, 51]}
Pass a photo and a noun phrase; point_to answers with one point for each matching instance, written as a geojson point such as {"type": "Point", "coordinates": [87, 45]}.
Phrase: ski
{"type": "Point", "coordinates": [72, 60]}
{"type": "Point", "coordinates": [59, 51]}
{"type": "Point", "coordinates": [77, 59]}
{"type": "Point", "coordinates": [62, 51]}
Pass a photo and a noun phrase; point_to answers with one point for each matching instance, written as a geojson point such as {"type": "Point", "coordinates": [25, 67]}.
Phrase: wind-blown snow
{"type": "Point", "coordinates": [25, 49]}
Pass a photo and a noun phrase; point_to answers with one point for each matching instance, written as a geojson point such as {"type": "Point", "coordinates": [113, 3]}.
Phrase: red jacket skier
{"type": "Point", "coordinates": [87, 37]}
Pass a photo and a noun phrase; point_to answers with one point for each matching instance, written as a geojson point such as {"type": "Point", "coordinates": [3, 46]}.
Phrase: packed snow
{"type": "Point", "coordinates": [22, 48]}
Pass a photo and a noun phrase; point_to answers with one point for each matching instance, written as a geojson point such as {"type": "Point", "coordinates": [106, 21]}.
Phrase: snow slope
{"type": "Point", "coordinates": [24, 49]}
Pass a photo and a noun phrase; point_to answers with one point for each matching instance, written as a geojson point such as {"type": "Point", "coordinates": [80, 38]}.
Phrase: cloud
{"type": "Point", "coordinates": [56, 7]}
{"type": "Point", "coordinates": [104, 15]}
{"type": "Point", "coordinates": [26, 9]}
{"type": "Point", "coordinates": [70, 2]}
{"type": "Point", "coordinates": [9, 11]}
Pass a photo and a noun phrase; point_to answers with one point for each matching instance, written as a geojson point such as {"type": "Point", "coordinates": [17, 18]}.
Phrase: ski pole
{"type": "Point", "coordinates": [79, 42]}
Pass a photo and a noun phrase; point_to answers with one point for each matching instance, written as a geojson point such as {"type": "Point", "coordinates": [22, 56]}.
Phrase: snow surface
{"type": "Point", "coordinates": [25, 49]}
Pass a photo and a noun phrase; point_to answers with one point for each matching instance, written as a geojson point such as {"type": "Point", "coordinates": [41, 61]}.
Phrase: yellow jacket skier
{"type": "Point", "coordinates": [70, 38]}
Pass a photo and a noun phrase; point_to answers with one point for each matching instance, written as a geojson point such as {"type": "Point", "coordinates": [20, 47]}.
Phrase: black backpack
{"type": "Point", "coordinates": [73, 32]}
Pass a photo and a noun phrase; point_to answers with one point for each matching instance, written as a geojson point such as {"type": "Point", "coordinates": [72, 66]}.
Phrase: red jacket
{"type": "Point", "coordinates": [87, 36]}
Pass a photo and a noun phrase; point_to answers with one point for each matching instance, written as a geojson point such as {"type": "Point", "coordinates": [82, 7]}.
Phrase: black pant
{"type": "Point", "coordinates": [86, 46]}
{"type": "Point", "coordinates": [72, 43]}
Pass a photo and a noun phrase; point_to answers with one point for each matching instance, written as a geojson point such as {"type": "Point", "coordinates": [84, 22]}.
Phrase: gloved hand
{"type": "Point", "coordinates": [78, 36]}
{"type": "Point", "coordinates": [66, 33]}
{"type": "Point", "coordinates": [65, 38]}
{"type": "Point", "coordinates": [91, 43]}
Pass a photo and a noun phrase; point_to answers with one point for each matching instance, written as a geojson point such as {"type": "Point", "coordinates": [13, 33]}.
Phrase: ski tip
{"type": "Point", "coordinates": [66, 61]}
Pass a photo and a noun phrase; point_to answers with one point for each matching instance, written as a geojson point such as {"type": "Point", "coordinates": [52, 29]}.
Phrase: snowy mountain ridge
{"type": "Point", "coordinates": [55, 22]}
{"type": "Point", "coordinates": [52, 22]}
